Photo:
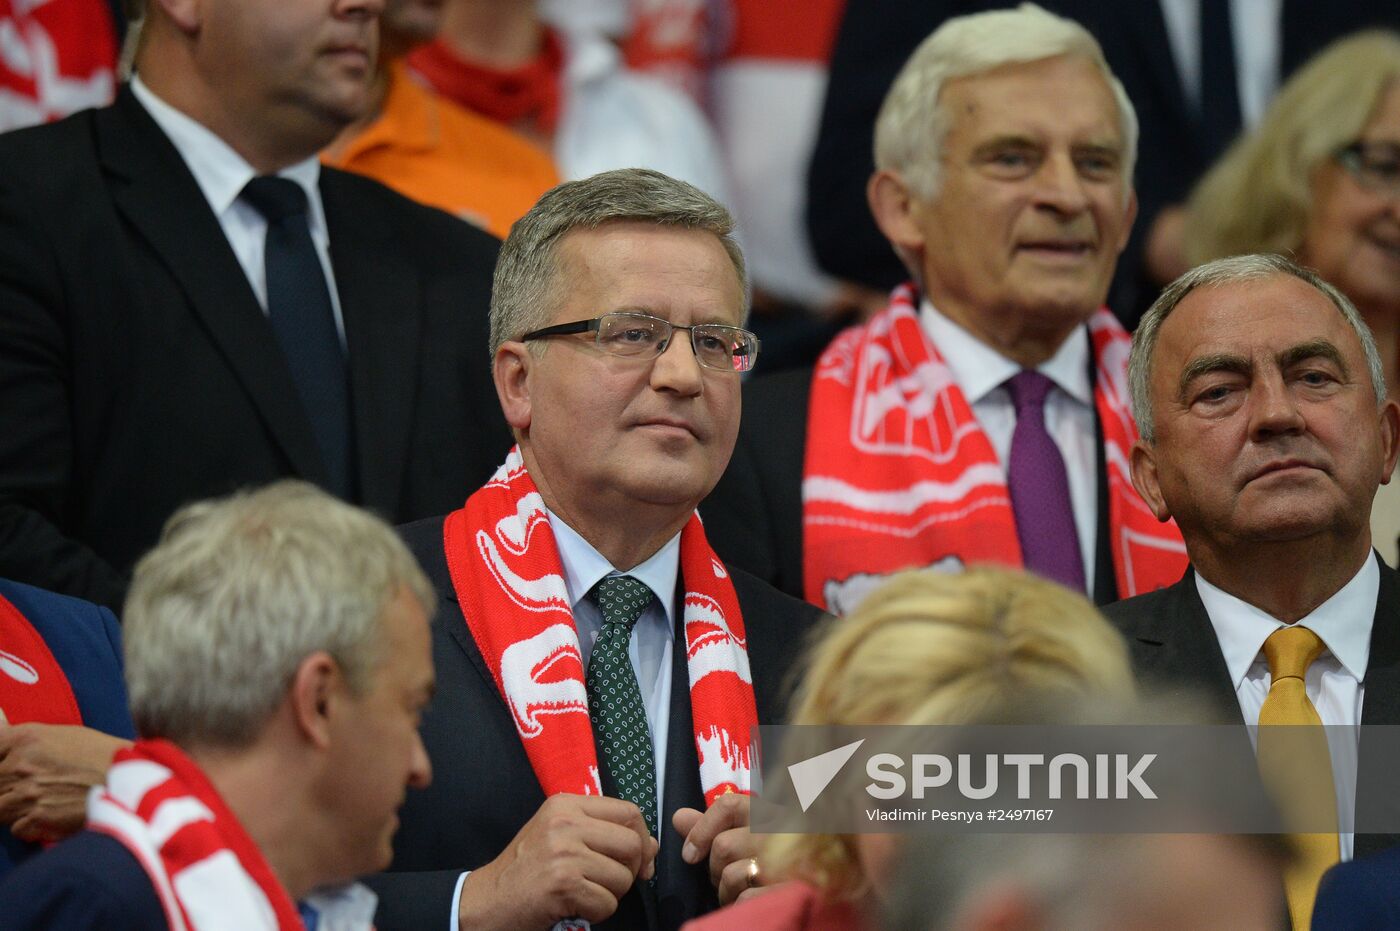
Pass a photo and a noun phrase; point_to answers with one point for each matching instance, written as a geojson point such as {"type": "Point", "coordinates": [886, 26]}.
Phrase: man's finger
{"type": "Point", "coordinates": [618, 843]}
{"type": "Point", "coordinates": [732, 846]}
{"type": "Point", "coordinates": [616, 810]}
{"type": "Point", "coordinates": [736, 878]}
{"type": "Point", "coordinates": [728, 811]}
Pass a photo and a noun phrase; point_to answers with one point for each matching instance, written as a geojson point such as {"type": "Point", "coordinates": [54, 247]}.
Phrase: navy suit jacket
{"type": "Point", "coordinates": [139, 371]}
{"type": "Point", "coordinates": [89, 881]}
{"type": "Point", "coordinates": [86, 643]}
{"type": "Point", "coordinates": [484, 789]}
{"type": "Point", "coordinates": [1363, 895]}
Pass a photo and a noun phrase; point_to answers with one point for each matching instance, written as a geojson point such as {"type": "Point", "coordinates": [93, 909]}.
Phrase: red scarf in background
{"type": "Point", "coordinates": [505, 568]}
{"type": "Point", "coordinates": [33, 686]}
{"type": "Point", "coordinates": [529, 95]}
{"type": "Point", "coordinates": [206, 870]}
{"type": "Point", "coordinates": [57, 57]}
{"type": "Point", "coordinates": [899, 474]}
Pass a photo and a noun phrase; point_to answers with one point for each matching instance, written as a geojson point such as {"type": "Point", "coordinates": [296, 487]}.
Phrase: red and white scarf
{"type": "Point", "coordinates": [509, 580]}
{"type": "Point", "coordinates": [206, 870]}
{"type": "Point", "coordinates": [33, 686]}
{"type": "Point", "coordinates": [898, 472]}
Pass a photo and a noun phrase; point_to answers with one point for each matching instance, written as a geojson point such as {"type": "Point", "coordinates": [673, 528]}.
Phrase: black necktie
{"type": "Point", "coordinates": [1220, 90]}
{"type": "Point", "coordinates": [299, 307]}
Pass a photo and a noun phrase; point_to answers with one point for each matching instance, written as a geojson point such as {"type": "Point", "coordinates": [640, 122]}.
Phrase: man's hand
{"type": "Point", "coordinates": [722, 835]}
{"type": "Point", "coordinates": [46, 771]}
{"type": "Point", "coordinates": [575, 858]}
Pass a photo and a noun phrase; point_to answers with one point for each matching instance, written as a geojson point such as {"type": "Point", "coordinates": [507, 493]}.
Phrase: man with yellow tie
{"type": "Point", "coordinates": [1265, 434]}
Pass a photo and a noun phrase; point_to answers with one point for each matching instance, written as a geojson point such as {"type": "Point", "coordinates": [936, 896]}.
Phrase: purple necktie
{"type": "Point", "coordinates": [1040, 488]}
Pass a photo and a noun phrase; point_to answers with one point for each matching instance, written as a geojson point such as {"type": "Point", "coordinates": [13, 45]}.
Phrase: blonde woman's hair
{"type": "Point", "coordinates": [945, 648]}
{"type": "Point", "coordinates": [1258, 196]}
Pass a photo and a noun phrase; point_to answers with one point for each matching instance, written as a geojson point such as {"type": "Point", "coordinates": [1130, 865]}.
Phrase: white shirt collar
{"type": "Point", "coordinates": [979, 369]}
{"type": "Point", "coordinates": [1343, 622]}
{"type": "Point", "coordinates": [221, 172]}
{"type": "Point", "coordinates": [585, 567]}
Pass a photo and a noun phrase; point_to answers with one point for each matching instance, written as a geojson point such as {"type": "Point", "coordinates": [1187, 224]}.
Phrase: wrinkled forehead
{"type": "Point", "coordinates": [1263, 321]}
{"type": "Point", "coordinates": [1066, 94]}
{"type": "Point", "coordinates": [647, 267]}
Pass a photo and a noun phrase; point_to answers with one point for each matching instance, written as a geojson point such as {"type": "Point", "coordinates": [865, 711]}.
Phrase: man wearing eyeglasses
{"type": "Point", "coordinates": [600, 670]}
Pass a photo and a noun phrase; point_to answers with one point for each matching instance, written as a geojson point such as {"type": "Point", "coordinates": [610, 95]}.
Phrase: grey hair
{"type": "Point", "coordinates": [522, 291]}
{"type": "Point", "coordinates": [239, 591]}
{"type": "Point", "coordinates": [1220, 272]}
{"type": "Point", "coordinates": [914, 122]}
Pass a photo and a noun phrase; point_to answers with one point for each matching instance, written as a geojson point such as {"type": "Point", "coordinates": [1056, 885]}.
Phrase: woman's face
{"type": "Point", "coordinates": [1353, 235]}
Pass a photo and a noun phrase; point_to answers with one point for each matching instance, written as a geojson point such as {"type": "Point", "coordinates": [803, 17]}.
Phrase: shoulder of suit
{"type": "Point", "coordinates": [1129, 613]}
{"type": "Point", "coordinates": [762, 602]}
{"type": "Point", "coordinates": [383, 205]}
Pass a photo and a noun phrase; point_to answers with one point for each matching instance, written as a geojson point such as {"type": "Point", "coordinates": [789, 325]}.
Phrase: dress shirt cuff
{"type": "Point", "coordinates": [457, 903]}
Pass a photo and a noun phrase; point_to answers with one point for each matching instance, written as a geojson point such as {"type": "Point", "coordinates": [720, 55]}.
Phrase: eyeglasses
{"type": "Point", "coordinates": [716, 346]}
{"type": "Point", "coordinates": [1374, 165]}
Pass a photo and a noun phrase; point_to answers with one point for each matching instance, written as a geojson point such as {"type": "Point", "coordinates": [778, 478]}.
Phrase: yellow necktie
{"type": "Point", "coordinates": [1296, 766]}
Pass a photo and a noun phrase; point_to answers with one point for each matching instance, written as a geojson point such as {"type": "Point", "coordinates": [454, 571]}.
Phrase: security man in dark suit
{"type": "Point", "coordinates": [192, 304]}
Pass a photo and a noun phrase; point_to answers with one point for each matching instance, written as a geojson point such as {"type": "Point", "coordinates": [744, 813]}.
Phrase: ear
{"type": "Point", "coordinates": [1144, 469]}
{"type": "Point", "coordinates": [511, 372]}
{"type": "Point", "coordinates": [186, 15]}
{"type": "Point", "coordinates": [1130, 210]}
{"type": "Point", "coordinates": [893, 205]}
{"type": "Point", "coordinates": [316, 684]}
{"type": "Point", "coordinates": [1390, 437]}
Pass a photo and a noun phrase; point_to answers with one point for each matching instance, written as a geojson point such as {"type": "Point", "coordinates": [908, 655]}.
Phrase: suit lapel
{"type": "Point", "coordinates": [1382, 702]}
{"type": "Point", "coordinates": [681, 889]}
{"type": "Point", "coordinates": [1176, 646]}
{"type": "Point", "coordinates": [381, 302]}
{"type": "Point", "coordinates": [1375, 794]}
{"type": "Point", "coordinates": [160, 198]}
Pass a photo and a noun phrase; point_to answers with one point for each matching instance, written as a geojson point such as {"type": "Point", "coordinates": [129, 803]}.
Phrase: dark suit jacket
{"type": "Point", "coordinates": [86, 643]}
{"type": "Point", "coordinates": [753, 518]}
{"type": "Point", "coordinates": [90, 882]}
{"type": "Point", "coordinates": [1363, 895]}
{"type": "Point", "coordinates": [877, 36]}
{"type": "Point", "coordinates": [1174, 647]}
{"type": "Point", "coordinates": [484, 790]}
{"type": "Point", "coordinates": [139, 371]}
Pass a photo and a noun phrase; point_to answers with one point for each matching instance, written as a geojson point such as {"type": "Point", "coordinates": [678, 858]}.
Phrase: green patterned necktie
{"type": "Point", "coordinates": [614, 699]}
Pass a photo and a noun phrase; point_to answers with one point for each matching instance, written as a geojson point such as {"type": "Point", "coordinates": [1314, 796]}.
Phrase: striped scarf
{"type": "Point", "coordinates": [206, 870]}
{"type": "Point", "coordinates": [506, 570]}
{"type": "Point", "coordinates": [899, 474]}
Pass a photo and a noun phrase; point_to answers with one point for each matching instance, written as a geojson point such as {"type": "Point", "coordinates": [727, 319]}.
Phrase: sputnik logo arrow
{"type": "Point", "coordinates": [814, 774]}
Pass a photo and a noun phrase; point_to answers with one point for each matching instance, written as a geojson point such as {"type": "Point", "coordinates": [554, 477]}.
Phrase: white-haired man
{"type": "Point", "coordinates": [983, 416]}
{"type": "Point", "coordinates": [601, 672]}
{"type": "Point", "coordinates": [1265, 434]}
{"type": "Point", "coordinates": [278, 658]}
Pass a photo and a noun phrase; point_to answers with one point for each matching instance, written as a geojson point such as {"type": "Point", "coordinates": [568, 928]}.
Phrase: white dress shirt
{"type": "Point", "coordinates": [221, 174]}
{"type": "Point", "coordinates": [980, 370]}
{"type": "Point", "coordinates": [650, 648]}
{"type": "Point", "coordinates": [1336, 680]}
{"type": "Point", "coordinates": [1256, 30]}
